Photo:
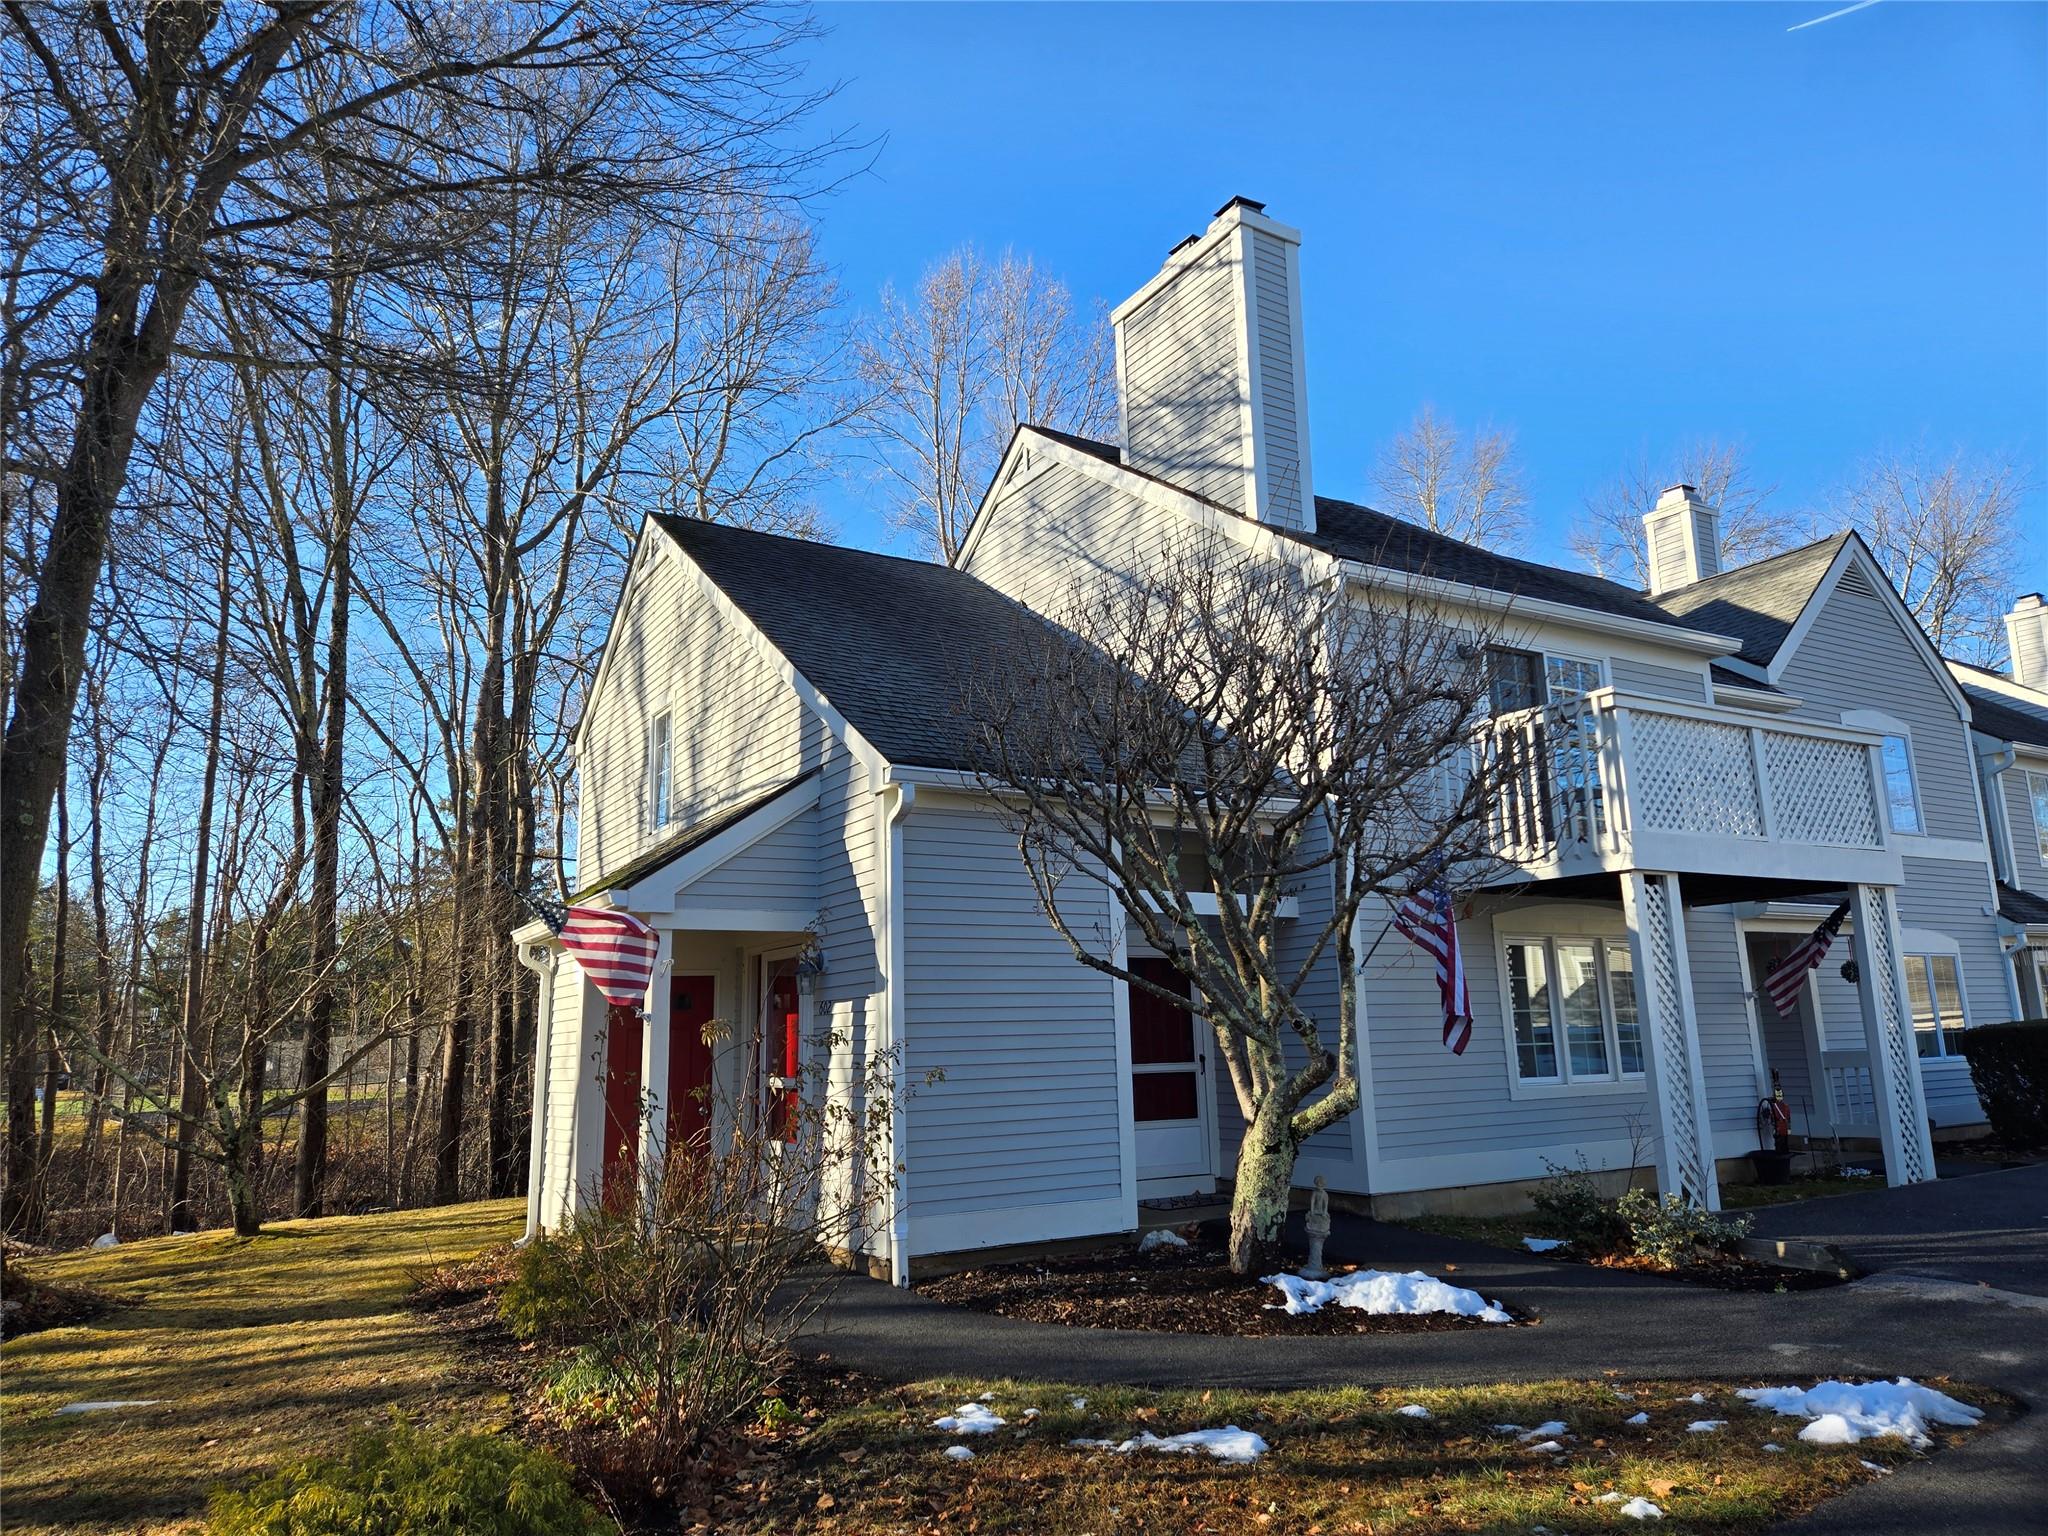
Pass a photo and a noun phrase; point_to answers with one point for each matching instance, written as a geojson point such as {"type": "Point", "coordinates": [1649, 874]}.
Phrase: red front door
{"type": "Point", "coordinates": [689, 1064]}
{"type": "Point", "coordinates": [621, 1106]}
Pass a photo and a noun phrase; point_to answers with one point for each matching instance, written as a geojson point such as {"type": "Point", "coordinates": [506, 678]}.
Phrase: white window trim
{"type": "Point", "coordinates": [2030, 775]}
{"type": "Point", "coordinates": [1597, 663]}
{"type": "Point", "coordinates": [1564, 1085]}
{"type": "Point", "coordinates": [1890, 725]}
{"type": "Point", "coordinates": [759, 962]}
{"type": "Point", "coordinates": [1921, 945]}
{"type": "Point", "coordinates": [659, 815]}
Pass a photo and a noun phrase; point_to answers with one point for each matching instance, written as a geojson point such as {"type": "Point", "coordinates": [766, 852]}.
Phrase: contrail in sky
{"type": "Point", "coordinates": [1831, 15]}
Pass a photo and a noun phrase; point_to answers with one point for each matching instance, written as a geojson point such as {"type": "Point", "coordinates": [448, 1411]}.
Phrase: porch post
{"type": "Point", "coordinates": [1888, 1034]}
{"type": "Point", "coordinates": [542, 963]}
{"type": "Point", "coordinates": [654, 1044]}
{"type": "Point", "coordinates": [1655, 912]}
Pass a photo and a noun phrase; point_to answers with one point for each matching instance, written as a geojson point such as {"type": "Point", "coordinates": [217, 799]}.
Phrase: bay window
{"type": "Point", "coordinates": [1572, 1010]}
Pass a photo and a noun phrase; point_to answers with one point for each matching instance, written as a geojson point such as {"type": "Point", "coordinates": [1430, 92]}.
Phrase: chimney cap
{"type": "Point", "coordinates": [2029, 600]}
{"type": "Point", "coordinates": [1682, 489]}
{"type": "Point", "coordinates": [1182, 244]}
{"type": "Point", "coordinates": [1241, 202]}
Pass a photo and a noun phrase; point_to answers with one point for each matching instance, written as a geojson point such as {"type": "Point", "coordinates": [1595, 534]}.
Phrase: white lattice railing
{"type": "Point", "coordinates": [1613, 780]}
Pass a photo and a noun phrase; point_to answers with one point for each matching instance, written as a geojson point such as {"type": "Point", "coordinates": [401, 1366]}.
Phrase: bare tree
{"type": "Point", "coordinates": [1947, 532]}
{"type": "Point", "coordinates": [953, 369]}
{"type": "Point", "coordinates": [1609, 539]}
{"type": "Point", "coordinates": [1467, 486]}
{"type": "Point", "coordinates": [1203, 743]}
{"type": "Point", "coordinates": [166, 148]}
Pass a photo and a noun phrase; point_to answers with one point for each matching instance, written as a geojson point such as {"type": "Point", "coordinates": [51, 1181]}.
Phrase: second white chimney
{"type": "Point", "coordinates": [1209, 369]}
{"type": "Point", "coordinates": [1684, 536]}
{"type": "Point", "coordinates": [2026, 636]}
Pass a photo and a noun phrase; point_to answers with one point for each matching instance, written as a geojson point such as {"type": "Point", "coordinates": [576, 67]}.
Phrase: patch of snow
{"type": "Point", "coordinates": [1544, 1431]}
{"type": "Point", "coordinates": [1412, 1411]}
{"type": "Point", "coordinates": [1507, 1429]}
{"type": "Point", "coordinates": [1161, 1237]}
{"type": "Point", "coordinates": [1843, 1413]}
{"type": "Point", "coordinates": [1610, 1497]}
{"type": "Point", "coordinates": [1637, 1419]}
{"type": "Point", "coordinates": [1226, 1444]}
{"type": "Point", "coordinates": [1383, 1293]}
{"type": "Point", "coordinates": [1640, 1508]}
{"type": "Point", "coordinates": [1626, 1397]}
{"type": "Point", "coordinates": [1030, 1413]}
{"type": "Point", "coordinates": [1542, 1244]}
{"type": "Point", "coordinates": [1772, 1445]}
{"type": "Point", "coordinates": [1077, 1402]}
{"type": "Point", "coordinates": [107, 1240]}
{"type": "Point", "coordinates": [1873, 1466]}
{"type": "Point", "coordinates": [1706, 1426]}
{"type": "Point", "coordinates": [959, 1453]}
{"type": "Point", "coordinates": [101, 1406]}
{"type": "Point", "coordinates": [1697, 1397]}
{"type": "Point", "coordinates": [1546, 1445]}
{"type": "Point", "coordinates": [986, 1397]}
{"type": "Point", "coordinates": [1858, 1173]}
{"type": "Point", "coordinates": [969, 1419]}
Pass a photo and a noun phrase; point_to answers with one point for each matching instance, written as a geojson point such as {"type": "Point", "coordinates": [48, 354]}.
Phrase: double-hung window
{"type": "Point", "coordinates": [1936, 995]}
{"type": "Point", "coordinates": [1572, 1010]}
{"type": "Point", "coordinates": [2037, 796]}
{"type": "Point", "coordinates": [660, 762]}
{"type": "Point", "coordinates": [1570, 677]}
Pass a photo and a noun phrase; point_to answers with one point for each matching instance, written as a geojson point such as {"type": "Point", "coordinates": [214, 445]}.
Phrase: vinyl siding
{"type": "Point", "coordinates": [777, 870]}
{"type": "Point", "coordinates": [2028, 865]}
{"type": "Point", "coordinates": [849, 894]}
{"type": "Point", "coordinates": [1183, 381]}
{"type": "Point", "coordinates": [1727, 1051]}
{"type": "Point", "coordinates": [1027, 1113]}
{"type": "Point", "coordinates": [1280, 424]}
{"type": "Point", "coordinates": [575, 1096]}
{"type": "Point", "coordinates": [1664, 682]}
{"type": "Point", "coordinates": [738, 727]}
{"type": "Point", "coordinates": [1949, 897]}
{"type": "Point", "coordinates": [1856, 657]}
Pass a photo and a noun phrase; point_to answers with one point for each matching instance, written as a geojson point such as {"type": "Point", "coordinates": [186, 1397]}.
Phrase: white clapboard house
{"type": "Point", "coordinates": [773, 774]}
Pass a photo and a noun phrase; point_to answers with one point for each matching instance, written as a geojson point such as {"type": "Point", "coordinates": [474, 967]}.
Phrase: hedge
{"type": "Point", "coordinates": [2009, 1065]}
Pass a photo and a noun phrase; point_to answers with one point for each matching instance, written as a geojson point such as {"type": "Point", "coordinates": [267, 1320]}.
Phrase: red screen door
{"type": "Point", "coordinates": [621, 1106]}
{"type": "Point", "coordinates": [781, 1049]}
{"type": "Point", "coordinates": [1163, 1066]}
{"type": "Point", "coordinates": [689, 1065]}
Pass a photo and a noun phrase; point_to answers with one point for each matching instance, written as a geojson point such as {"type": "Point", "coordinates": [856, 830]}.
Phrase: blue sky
{"type": "Point", "coordinates": [1607, 227]}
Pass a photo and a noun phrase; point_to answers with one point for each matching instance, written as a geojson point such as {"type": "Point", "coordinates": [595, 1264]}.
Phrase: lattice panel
{"type": "Point", "coordinates": [1821, 791]}
{"type": "Point", "coordinates": [1681, 1116]}
{"type": "Point", "coordinates": [1693, 776]}
{"type": "Point", "coordinates": [1901, 1054]}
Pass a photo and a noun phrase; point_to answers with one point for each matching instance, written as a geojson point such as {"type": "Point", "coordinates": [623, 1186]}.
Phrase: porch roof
{"type": "Point", "coordinates": [698, 833]}
{"type": "Point", "coordinates": [2018, 906]}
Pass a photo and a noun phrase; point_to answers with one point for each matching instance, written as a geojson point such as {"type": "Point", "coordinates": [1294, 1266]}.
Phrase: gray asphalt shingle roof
{"type": "Point", "coordinates": [890, 642]}
{"type": "Point", "coordinates": [2006, 719]}
{"type": "Point", "coordinates": [1756, 603]}
{"type": "Point", "coordinates": [2018, 906]}
{"type": "Point", "coordinates": [678, 843]}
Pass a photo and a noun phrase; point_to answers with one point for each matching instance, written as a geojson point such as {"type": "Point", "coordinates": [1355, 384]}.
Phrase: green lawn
{"type": "Point", "coordinates": [260, 1349]}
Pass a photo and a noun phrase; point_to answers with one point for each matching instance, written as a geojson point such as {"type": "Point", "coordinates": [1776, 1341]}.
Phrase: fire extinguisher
{"type": "Point", "coordinates": [1774, 1117]}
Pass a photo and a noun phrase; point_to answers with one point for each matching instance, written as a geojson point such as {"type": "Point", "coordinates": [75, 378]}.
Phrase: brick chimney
{"type": "Point", "coordinates": [2026, 635]}
{"type": "Point", "coordinates": [1684, 536]}
{"type": "Point", "coordinates": [1209, 368]}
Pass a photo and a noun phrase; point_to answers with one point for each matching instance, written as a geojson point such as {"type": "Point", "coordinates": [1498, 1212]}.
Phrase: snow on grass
{"type": "Point", "coordinates": [1705, 1426]}
{"type": "Point", "coordinates": [1161, 1237]}
{"type": "Point", "coordinates": [1545, 1431]}
{"type": "Point", "coordinates": [1412, 1411]}
{"type": "Point", "coordinates": [1229, 1443]}
{"type": "Point", "coordinates": [1772, 1445]}
{"type": "Point", "coordinates": [970, 1419]}
{"type": "Point", "coordinates": [1077, 1403]}
{"type": "Point", "coordinates": [1383, 1294]}
{"type": "Point", "coordinates": [1546, 1445]}
{"type": "Point", "coordinates": [1874, 1467]}
{"type": "Point", "coordinates": [1842, 1413]}
{"type": "Point", "coordinates": [1640, 1508]}
{"type": "Point", "coordinates": [958, 1453]}
{"type": "Point", "coordinates": [1542, 1244]}
{"type": "Point", "coordinates": [1697, 1397]}
{"type": "Point", "coordinates": [1638, 1419]}
{"type": "Point", "coordinates": [106, 1404]}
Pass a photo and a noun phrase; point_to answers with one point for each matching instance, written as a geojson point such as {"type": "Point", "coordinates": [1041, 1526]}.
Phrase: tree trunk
{"type": "Point", "coordinates": [53, 1059]}
{"type": "Point", "coordinates": [1265, 1178]}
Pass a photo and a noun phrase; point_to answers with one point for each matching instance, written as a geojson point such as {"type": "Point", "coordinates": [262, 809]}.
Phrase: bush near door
{"type": "Point", "coordinates": [2009, 1065]}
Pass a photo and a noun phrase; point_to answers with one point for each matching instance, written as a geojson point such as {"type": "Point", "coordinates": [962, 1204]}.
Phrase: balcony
{"type": "Point", "coordinates": [1614, 781]}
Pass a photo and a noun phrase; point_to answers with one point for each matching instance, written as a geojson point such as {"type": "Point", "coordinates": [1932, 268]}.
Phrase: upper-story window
{"type": "Point", "coordinates": [660, 762]}
{"type": "Point", "coordinates": [1518, 679]}
{"type": "Point", "coordinates": [1572, 1009]}
{"type": "Point", "coordinates": [2037, 794]}
{"type": "Point", "coordinates": [1570, 677]}
{"type": "Point", "coordinates": [1901, 795]}
{"type": "Point", "coordinates": [1935, 990]}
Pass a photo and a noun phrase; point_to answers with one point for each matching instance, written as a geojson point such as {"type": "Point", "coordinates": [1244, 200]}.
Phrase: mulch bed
{"type": "Point", "coordinates": [32, 1305]}
{"type": "Point", "coordinates": [1726, 1273]}
{"type": "Point", "coordinates": [1169, 1290]}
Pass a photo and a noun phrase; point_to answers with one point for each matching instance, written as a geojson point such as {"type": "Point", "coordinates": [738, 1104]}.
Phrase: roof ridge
{"type": "Point", "coordinates": [664, 519]}
{"type": "Point", "coordinates": [1749, 567]}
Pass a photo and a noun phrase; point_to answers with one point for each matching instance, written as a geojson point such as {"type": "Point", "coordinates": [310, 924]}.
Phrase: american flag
{"type": "Point", "coordinates": [1788, 976]}
{"type": "Point", "coordinates": [615, 949]}
{"type": "Point", "coordinates": [1425, 916]}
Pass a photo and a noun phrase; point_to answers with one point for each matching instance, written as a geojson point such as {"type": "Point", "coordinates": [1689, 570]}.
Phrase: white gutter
{"type": "Point", "coordinates": [1491, 600]}
{"type": "Point", "coordinates": [1990, 765]}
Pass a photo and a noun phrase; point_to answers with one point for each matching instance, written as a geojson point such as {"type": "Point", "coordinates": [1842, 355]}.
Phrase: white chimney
{"type": "Point", "coordinates": [1209, 368]}
{"type": "Point", "coordinates": [1684, 539]}
{"type": "Point", "coordinates": [2026, 636]}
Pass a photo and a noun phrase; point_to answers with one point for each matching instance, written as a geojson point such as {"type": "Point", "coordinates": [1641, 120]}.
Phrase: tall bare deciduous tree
{"type": "Point", "coordinates": [1947, 531]}
{"type": "Point", "coordinates": [161, 149]}
{"type": "Point", "coordinates": [953, 367]}
{"type": "Point", "coordinates": [1200, 745]}
{"type": "Point", "coordinates": [1467, 485]}
{"type": "Point", "coordinates": [1609, 540]}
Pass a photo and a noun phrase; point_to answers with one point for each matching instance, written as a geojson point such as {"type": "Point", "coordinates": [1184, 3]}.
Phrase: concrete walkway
{"type": "Point", "coordinates": [1946, 1309]}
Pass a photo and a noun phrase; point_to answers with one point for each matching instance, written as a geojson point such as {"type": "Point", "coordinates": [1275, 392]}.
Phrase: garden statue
{"type": "Point", "coordinates": [1317, 1225]}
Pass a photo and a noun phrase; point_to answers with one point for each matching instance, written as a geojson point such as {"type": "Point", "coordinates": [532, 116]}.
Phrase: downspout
{"type": "Point", "coordinates": [900, 799]}
{"type": "Point", "coordinates": [540, 960]}
{"type": "Point", "coordinates": [1990, 767]}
